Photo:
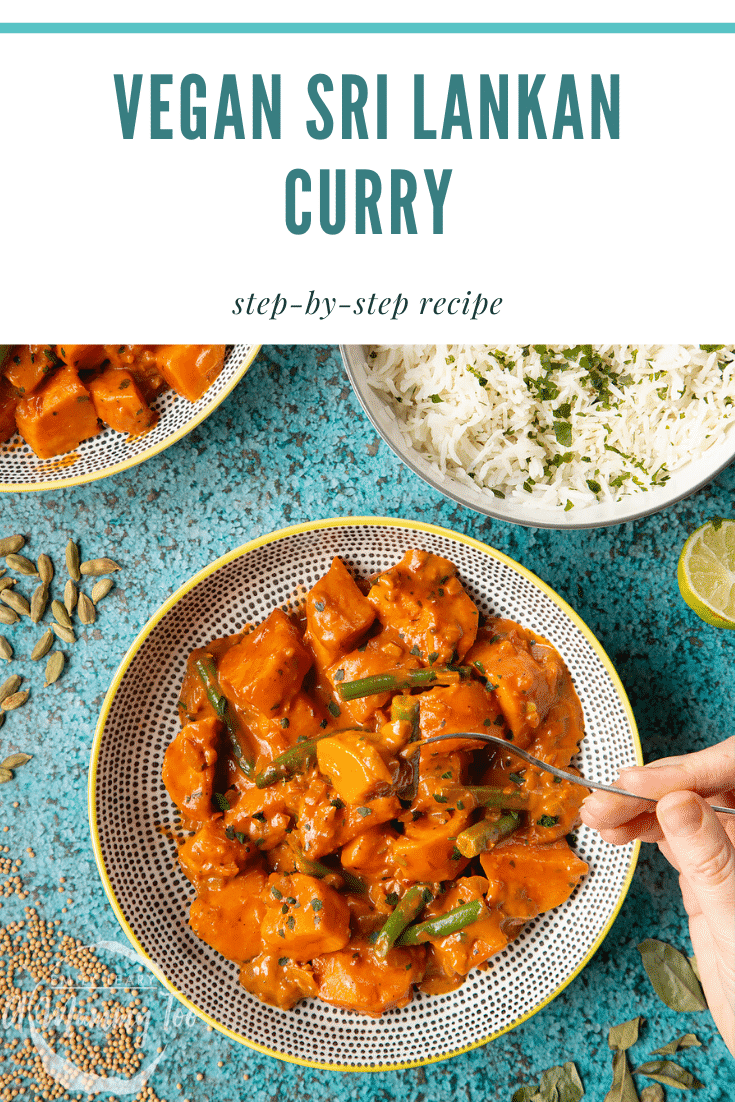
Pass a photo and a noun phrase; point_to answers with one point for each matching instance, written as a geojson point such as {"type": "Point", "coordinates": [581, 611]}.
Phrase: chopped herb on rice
{"type": "Point", "coordinates": [523, 421]}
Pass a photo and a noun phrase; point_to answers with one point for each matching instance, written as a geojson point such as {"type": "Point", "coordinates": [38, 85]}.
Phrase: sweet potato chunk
{"type": "Point", "coordinates": [229, 919]}
{"type": "Point", "coordinates": [59, 417]}
{"type": "Point", "coordinates": [426, 851]}
{"type": "Point", "coordinates": [82, 356]}
{"type": "Point", "coordinates": [422, 602]}
{"type": "Point", "coordinates": [265, 671]}
{"type": "Point", "coordinates": [353, 765]}
{"type": "Point", "coordinates": [457, 953]}
{"type": "Point", "coordinates": [305, 917]}
{"type": "Point", "coordinates": [380, 654]}
{"type": "Point", "coordinates": [28, 366]}
{"type": "Point", "coordinates": [525, 676]}
{"type": "Point", "coordinates": [190, 369]}
{"type": "Point", "coordinates": [466, 706]}
{"type": "Point", "coordinates": [337, 614]}
{"type": "Point", "coordinates": [277, 980]}
{"type": "Point", "coordinates": [358, 979]}
{"type": "Point", "coordinates": [529, 879]}
{"type": "Point", "coordinates": [188, 767]}
{"type": "Point", "coordinates": [119, 403]}
{"type": "Point", "coordinates": [210, 859]}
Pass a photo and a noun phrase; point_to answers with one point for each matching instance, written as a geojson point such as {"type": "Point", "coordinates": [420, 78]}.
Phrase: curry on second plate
{"type": "Point", "coordinates": [58, 395]}
{"type": "Point", "coordinates": [332, 856]}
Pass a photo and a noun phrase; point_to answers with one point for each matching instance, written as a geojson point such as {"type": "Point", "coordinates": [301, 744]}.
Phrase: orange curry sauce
{"type": "Point", "coordinates": [58, 395]}
{"type": "Point", "coordinates": [298, 861]}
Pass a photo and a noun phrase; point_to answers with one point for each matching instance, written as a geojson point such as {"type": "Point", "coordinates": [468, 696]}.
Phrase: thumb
{"type": "Point", "coordinates": [705, 856]}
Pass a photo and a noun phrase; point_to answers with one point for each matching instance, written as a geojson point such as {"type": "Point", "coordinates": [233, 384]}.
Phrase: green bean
{"type": "Point", "coordinates": [442, 925]}
{"type": "Point", "coordinates": [296, 759]}
{"type": "Point", "coordinates": [408, 908]}
{"type": "Point", "coordinates": [316, 869]}
{"type": "Point", "coordinates": [484, 795]}
{"type": "Point", "coordinates": [405, 709]}
{"type": "Point", "coordinates": [207, 670]}
{"type": "Point", "coordinates": [400, 679]}
{"type": "Point", "coordinates": [476, 839]}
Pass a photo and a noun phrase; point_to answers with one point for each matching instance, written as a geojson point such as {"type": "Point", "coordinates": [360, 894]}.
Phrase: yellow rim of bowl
{"type": "Point", "coordinates": [80, 480]}
{"type": "Point", "coordinates": [252, 545]}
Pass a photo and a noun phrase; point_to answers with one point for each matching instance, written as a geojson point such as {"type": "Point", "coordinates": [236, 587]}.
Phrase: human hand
{"type": "Point", "coordinates": [698, 843]}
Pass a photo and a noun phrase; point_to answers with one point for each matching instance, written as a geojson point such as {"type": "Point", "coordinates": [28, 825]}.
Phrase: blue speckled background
{"type": "Point", "coordinates": [291, 444]}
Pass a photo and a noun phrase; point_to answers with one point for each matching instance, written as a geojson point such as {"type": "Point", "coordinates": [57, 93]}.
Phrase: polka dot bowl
{"type": "Point", "coordinates": [110, 451]}
{"type": "Point", "coordinates": [130, 809]}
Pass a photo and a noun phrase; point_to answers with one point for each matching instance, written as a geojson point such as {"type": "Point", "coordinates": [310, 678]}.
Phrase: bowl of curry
{"type": "Point", "coordinates": [319, 884]}
{"type": "Point", "coordinates": [72, 413]}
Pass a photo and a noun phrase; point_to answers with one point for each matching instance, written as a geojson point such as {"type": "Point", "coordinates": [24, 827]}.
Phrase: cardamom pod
{"type": "Point", "coordinates": [21, 565]}
{"type": "Point", "coordinates": [15, 761]}
{"type": "Point", "coordinates": [62, 616]}
{"type": "Point", "coordinates": [17, 700]}
{"type": "Point", "coordinates": [6, 583]}
{"type": "Point", "coordinates": [54, 668]}
{"type": "Point", "coordinates": [10, 545]}
{"type": "Point", "coordinates": [99, 566]}
{"type": "Point", "coordinates": [6, 651]}
{"type": "Point", "coordinates": [7, 616]}
{"type": "Point", "coordinates": [39, 601]}
{"type": "Point", "coordinates": [10, 686]}
{"type": "Point", "coordinates": [72, 561]}
{"type": "Point", "coordinates": [101, 588]}
{"type": "Point", "coordinates": [5, 774]}
{"type": "Point", "coordinates": [16, 601]}
{"type": "Point", "coordinates": [45, 569]}
{"type": "Point", "coordinates": [71, 593]}
{"type": "Point", "coordinates": [86, 610]}
{"type": "Point", "coordinates": [43, 646]}
{"type": "Point", "coordinates": [64, 633]}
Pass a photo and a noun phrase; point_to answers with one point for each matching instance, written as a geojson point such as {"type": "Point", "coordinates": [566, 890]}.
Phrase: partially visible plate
{"type": "Point", "coordinates": [130, 810]}
{"type": "Point", "coordinates": [687, 480]}
{"type": "Point", "coordinates": [110, 451]}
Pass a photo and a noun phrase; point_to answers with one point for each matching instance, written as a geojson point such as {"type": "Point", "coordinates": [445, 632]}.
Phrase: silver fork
{"type": "Point", "coordinates": [561, 773]}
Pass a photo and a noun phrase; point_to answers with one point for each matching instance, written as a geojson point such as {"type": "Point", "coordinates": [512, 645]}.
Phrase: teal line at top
{"type": "Point", "coordinates": [367, 28]}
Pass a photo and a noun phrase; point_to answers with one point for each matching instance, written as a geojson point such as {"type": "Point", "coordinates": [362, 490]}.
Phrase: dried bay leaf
{"type": "Point", "coordinates": [670, 1074]}
{"type": "Point", "coordinates": [672, 976]}
{"type": "Point", "coordinates": [525, 1094]}
{"type": "Point", "coordinates": [654, 1092]}
{"type": "Point", "coordinates": [623, 1087]}
{"type": "Point", "coordinates": [625, 1035]}
{"type": "Point", "coordinates": [557, 1084]}
{"type": "Point", "coordinates": [565, 1080]}
{"type": "Point", "coordinates": [687, 1040]}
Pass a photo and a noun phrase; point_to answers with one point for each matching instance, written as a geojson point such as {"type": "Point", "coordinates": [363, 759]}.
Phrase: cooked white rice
{"type": "Point", "coordinates": [560, 426]}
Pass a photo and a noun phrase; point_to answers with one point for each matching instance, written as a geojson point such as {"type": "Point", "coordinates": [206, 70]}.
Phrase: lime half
{"type": "Point", "coordinates": [706, 572]}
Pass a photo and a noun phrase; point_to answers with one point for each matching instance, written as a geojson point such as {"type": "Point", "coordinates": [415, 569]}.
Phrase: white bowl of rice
{"type": "Point", "coordinates": [554, 436]}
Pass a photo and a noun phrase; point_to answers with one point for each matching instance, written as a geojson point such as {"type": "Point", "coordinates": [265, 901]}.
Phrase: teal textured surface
{"type": "Point", "coordinates": [291, 444]}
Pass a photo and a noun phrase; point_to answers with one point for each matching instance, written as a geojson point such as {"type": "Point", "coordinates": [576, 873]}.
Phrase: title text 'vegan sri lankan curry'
{"type": "Point", "coordinates": [329, 859]}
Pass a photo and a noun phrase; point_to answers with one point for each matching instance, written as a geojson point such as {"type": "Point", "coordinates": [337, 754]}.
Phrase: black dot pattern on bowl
{"type": "Point", "coordinates": [133, 810]}
{"type": "Point", "coordinates": [19, 464]}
